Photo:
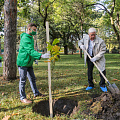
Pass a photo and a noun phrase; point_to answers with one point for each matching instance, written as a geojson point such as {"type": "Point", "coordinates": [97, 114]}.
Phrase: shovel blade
{"type": "Point", "coordinates": [112, 90]}
{"type": "Point", "coordinates": [117, 91]}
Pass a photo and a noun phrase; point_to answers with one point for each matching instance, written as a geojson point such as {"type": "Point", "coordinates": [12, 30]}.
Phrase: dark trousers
{"type": "Point", "coordinates": [90, 74]}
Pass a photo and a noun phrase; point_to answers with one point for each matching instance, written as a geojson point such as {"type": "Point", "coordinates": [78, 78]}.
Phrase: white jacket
{"type": "Point", "coordinates": [99, 48]}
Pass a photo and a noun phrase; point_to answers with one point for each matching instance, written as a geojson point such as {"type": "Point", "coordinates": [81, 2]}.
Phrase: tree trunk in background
{"type": "Point", "coordinates": [119, 30]}
{"type": "Point", "coordinates": [10, 21]}
{"type": "Point", "coordinates": [0, 44]}
{"type": "Point", "coordinates": [82, 37]}
{"type": "Point", "coordinates": [35, 43]}
{"type": "Point", "coordinates": [65, 50]}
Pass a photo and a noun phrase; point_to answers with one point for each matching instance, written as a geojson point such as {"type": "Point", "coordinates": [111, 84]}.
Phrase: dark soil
{"type": "Point", "coordinates": [42, 108]}
{"type": "Point", "coordinates": [106, 107]}
{"type": "Point", "coordinates": [61, 106]}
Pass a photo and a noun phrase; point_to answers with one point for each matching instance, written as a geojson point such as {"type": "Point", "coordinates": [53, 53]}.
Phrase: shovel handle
{"type": "Point", "coordinates": [97, 67]}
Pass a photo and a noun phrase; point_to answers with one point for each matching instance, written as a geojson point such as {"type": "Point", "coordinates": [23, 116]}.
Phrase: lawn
{"type": "Point", "coordinates": [69, 80]}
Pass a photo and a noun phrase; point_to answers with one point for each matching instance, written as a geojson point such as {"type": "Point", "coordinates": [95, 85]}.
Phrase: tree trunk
{"type": "Point", "coordinates": [10, 22]}
{"type": "Point", "coordinates": [119, 30]}
{"type": "Point", "coordinates": [0, 44]}
{"type": "Point", "coordinates": [82, 37]}
{"type": "Point", "coordinates": [35, 43]}
{"type": "Point", "coordinates": [115, 30]}
{"type": "Point", "coordinates": [65, 50]}
{"type": "Point", "coordinates": [72, 52]}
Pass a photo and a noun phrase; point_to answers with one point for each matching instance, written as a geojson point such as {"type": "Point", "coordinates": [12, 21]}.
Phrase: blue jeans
{"type": "Point", "coordinates": [27, 72]}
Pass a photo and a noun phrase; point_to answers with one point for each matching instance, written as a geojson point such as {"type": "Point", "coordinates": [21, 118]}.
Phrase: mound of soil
{"type": "Point", "coordinates": [106, 106]}
{"type": "Point", "coordinates": [60, 106]}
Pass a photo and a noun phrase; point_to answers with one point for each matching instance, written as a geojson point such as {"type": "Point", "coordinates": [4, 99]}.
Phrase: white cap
{"type": "Point", "coordinates": [91, 30]}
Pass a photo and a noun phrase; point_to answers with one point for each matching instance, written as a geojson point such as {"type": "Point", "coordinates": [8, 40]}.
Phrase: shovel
{"type": "Point", "coordinates": [113, 88]}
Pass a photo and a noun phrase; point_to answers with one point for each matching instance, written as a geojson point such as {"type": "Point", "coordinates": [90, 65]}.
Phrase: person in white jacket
{"type": "Point", "coordinates": [96, 48]}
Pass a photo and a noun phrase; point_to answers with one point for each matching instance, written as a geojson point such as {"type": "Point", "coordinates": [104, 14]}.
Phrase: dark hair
{"type": "Point", "coordinates": [31, 24]}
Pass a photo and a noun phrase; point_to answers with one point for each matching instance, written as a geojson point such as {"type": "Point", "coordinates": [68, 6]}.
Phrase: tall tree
{"type": "Point", "coordinates": [10, 20]}
{"type": "Point", "coordinates": [112, 8]}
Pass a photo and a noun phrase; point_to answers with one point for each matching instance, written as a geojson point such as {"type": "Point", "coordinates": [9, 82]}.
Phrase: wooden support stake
{"type": "Point", "coordinates": [49, 73]}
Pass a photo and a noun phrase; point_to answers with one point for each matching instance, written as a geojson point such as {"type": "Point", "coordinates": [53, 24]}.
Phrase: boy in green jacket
{"type": "Point", "coordinates": [26, 56]}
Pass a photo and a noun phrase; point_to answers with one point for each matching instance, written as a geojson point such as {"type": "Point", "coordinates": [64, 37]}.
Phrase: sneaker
{"type": "Point", "coordinates": [26, 101]}
{"type": "Point", "coordinates": [40, 95]}
{"type": "Point", "coordinates": [104, 89]}
{"type": "Point", "coordinates": [89, 88]}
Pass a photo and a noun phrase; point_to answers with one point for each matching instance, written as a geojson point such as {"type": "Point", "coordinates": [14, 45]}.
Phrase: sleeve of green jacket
{"type": "Point", "coordinates": [0, 59]}
{"type": "Point", "coordinates": [28, 45]}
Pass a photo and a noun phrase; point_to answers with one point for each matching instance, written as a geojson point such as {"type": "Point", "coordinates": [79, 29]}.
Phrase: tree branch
{"type": "Point", "coordinates": [101, 5]}
{"type": "Point", "coordinates": [113, 6]}
{"type": "Point", "coordinates": [39, 9]}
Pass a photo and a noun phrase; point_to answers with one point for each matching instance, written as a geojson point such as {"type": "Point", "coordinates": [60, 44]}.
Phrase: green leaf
{"type": "Point", "coordinates": [56, 41]}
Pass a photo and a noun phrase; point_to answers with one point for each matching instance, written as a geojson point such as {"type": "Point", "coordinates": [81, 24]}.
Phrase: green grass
{"type": "Point", "coordinates": [69, 79]}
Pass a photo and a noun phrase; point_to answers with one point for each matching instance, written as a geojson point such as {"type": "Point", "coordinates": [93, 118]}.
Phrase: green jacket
{"type": "Point", "coordinates": [27, 54]}
{"type": "Point", "coordinates": [0, 59]}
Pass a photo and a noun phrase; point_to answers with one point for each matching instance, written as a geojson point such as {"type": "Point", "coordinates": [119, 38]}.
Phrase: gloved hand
{"type": "Point", "coordinates": [93, 59]}
{"type": "Point", "coordinates": [46, 55]}
{"type": "Point", "coordinates": [36, 62]}
{"type": "Point", "coordinates": [82, 47]}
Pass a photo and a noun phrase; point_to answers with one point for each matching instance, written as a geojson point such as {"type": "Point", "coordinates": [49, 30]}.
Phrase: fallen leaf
{"type": "Point", "coordinates": [97, 75]}
{"type": "Point", "coordinates": [94, 81]}
{"type": "Point", "coordinates": [15, 114]}
{"type": "Point", "coordinates": [46, 61]}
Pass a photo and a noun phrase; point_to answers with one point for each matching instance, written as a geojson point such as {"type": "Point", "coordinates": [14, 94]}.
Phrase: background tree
{"type": "Point", "coordinates": [112, 9]}
{"type": "Point", "coordinates": [65, 18]}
